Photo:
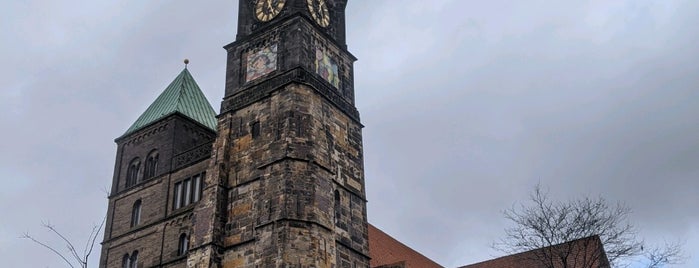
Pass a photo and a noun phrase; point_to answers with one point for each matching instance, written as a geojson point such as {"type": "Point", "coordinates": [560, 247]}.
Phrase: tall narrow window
{"type": "Point", "coordinates": [151, 166]}
{"type": "Point", "coordinates": [183, 245]}
{"type": "Point", "coordinates": [136, 213]}
{"type": "Point", "coordinates": [177, 203]}
{"type": "Point", "coordinates": [338, 207]}
{"type": "Point", "coordinates": [351, 208]}
{"type": "Point", "coordinates": [132, 172]}
{"type": "Point", "coordinates": [188, 191]}
{"type": "Point", "coordinates": [299, 128]}
{"type": "Point", "coordinates": [196, 190]}
{"type": "Point", "coordinates": [255, 129]}
{"type": "Point", "coordinates": [126, 261]}
{"type": "Point", "coordinates": [133, 262]}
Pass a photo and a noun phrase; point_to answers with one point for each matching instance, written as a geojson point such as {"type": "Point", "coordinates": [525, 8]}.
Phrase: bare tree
{"type": "Point", "coordinates": [670, 253]}
{"type": "Point", "coordinates": [74, 256]}
{"type": "Point", "coordinates": [579, 233]}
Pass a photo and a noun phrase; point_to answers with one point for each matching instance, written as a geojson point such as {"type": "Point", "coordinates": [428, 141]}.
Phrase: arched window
{"type": "Point", "coordinates": [183, 245]}
{"type": "Point", "coordinates": [130, 261]}
{"type": "Point", "coordinates": [151, 165]}
{"type": "Point", "coordinates": [136, 213]}
{"type": "Point", "coordinates": [126, 261]}
{"type": "Point", "coordinates": [132, 172]}
{"type": "Point", "coordinates": [133, 262]}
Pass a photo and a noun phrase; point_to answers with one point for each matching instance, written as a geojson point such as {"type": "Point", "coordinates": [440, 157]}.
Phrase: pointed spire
{"type": "Point", "coordinates": [182, 96]}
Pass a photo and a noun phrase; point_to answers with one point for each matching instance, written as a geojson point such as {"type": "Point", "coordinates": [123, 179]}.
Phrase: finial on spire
{"type": "Point", "coordinates": [186, 61]}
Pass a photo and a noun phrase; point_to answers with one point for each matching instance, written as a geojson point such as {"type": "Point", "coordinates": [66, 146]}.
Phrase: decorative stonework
{"type": "Point", "coordinates": [196, 132]}
{"type": "Point", "coordinates": [135, 140]}
{"type": "Point", "coordinates": [191, 156]}
{"type": "Point", "coordinates": [183, 220]}
{"type": "Point", "coordinates": [267, 86]}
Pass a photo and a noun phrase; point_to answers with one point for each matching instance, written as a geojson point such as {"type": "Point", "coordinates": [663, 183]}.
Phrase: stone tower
{"type": "Point", "coordinates": [158, 179]}
{"type": "Point", "coordinates": [275, 180]}
{"type": "Point", "coordinates": [285, 183]}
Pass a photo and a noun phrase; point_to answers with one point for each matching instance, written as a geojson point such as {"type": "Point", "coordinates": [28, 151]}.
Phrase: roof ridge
{"type": "Point", "coordinates": [183, 96]}
{"type": "Point", "coordinates": [181, 91]}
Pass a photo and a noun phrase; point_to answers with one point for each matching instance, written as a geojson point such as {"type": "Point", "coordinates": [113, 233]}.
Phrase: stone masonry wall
{"type": "Point", "coordinates": [293, 185]}
{"type": "Point", "coordinates": [156, 236]}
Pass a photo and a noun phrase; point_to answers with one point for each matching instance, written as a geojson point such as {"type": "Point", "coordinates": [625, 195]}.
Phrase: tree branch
{"type": "Point", "coordinates": [669, 254]}
{"type": "Point", "coordinates": [89, 246]}
{"type": "Point", "coordinates": [27, 236]}
{"type": "Point", "coordinates": [70, 246]}
{"type": "Point", "coordinates": [546, 228]}
{"type": "Point", "coordinates": [94, 238]}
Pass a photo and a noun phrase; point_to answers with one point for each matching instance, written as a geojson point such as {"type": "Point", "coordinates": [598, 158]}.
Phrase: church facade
{"type": "Point", "coordinates": [274, 179]}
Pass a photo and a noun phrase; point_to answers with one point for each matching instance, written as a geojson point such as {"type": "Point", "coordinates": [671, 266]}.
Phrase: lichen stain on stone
{"type": "Point", "coordinates": [243, 143]}
{"type": "Point", "coordinates": [232, 239]}
{"type": "Point", "coordinates": [240, 209]}
{"type": "Point", "coordinates": [234, 263]}
{"type": "Point", "coordinates": [323, 265]}
{"type": "Point", "coordinates": [355, 184]}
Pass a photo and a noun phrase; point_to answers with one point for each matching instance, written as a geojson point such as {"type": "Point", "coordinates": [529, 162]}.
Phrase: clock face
{"type": "Point", "coordinates": [266, 10]}
{"type": "Point", "coordinates": [319, 11]}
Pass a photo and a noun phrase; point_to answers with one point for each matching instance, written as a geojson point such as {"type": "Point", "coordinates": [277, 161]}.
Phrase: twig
{"type": "Point", "coordinates": [27, 236]}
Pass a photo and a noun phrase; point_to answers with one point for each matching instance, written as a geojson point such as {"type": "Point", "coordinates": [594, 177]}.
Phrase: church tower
{"type": "Point", "coordinates": [160, 164]}
{"type": "Point", "coordinates": [285, 182]}
{"type": "Point", "coordinates": [276, 179]}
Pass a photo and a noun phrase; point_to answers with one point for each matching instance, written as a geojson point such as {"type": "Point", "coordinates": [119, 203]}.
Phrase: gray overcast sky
{"type": "Point", "coordinates": [467, 105]}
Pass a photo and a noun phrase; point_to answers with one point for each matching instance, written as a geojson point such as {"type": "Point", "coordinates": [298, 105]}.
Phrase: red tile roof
{"type": "Point", "coordinates": [590, 247]}
{"type": "Point", "coordinates": [387, 252]}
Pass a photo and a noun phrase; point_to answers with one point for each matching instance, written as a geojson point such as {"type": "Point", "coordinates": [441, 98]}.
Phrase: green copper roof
{"type": "Point", "coordinates": [182, 95]}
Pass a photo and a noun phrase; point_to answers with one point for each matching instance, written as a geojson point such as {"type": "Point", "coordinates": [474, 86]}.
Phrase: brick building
{"type": "Point", "coordinates": [584, 252]}
{"type": "Point", "coordinates": [274, 179]}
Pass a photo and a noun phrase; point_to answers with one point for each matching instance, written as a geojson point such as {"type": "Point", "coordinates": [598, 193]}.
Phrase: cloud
{"type": "Point", "coordinates": [466, 104]}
